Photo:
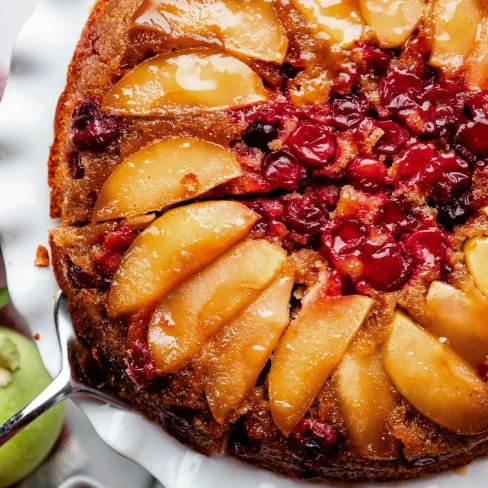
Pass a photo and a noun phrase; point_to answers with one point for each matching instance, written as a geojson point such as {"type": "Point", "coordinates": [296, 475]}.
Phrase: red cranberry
{"type": "Point", "coordinates": [385, 267]}
{"type": "Point", "coordinates": [312, 144]}
{"type": "Point", "coordinates": [441, 176]}
{"type": "Point", "coordinates": [91, 128]}
{"type": "Point", "coordinates": [393, 217]}
{"type": "Point", "coordinates": [376, 60]}
{"type": "Point", "coordinates": [474, 136]}
{"type": "Point", "coordinates": [344, 237]}
{"type": "Point", "coordinates": [271, 212]}
{"type": "Point", "coordinates": [393, 139]}
{"type": "Point", "coordinates": [307, 213]}
{"type": "Point", "coordinates": [347, 111]}
{"type": "Point", "coordinates": [137, 325]}
{"type": "Point", "coordinates": [76, 167]}
{"type": "Point", "coordinates": [259, 134]}
{"type": "Point", "coordinates": [429, 247]}
{"type": "Point", "coordinates": [114, 244]}
{"type": "Point", "coordinates": [282, 170]}
{"type": "Point", "coordinates": [304, 215]}
{"type": "Point", "coordinates": [309, 429]}
{"type": "Point", "coordinates": [266, 207]}
{"type": "Point", "coordinates": [399, 89]}
{"type": "Point", "coordinates": [367, 173]}
{"type": "Point", "coordinates": [141, 367]}
{"type": "Point", "coordinates": [439, 108]}
{"type": "Point", "coordinates": [119, 239]}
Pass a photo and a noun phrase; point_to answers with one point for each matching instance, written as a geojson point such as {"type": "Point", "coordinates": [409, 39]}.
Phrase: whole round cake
{"type": "Point", "coordinates": [274, 231]}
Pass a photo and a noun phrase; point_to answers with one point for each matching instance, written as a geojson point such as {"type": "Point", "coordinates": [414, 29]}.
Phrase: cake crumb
{"type": "Point", "coordinates": [42, 257]}
{"type": "Point", "coordinates": [36, 336]}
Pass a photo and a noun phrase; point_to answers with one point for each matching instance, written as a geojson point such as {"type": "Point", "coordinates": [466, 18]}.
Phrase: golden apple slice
{"type": "Point", "coordinates": [476, 256]}
{"type": "Point", "coordinates": [309, 350]}
{"type": "Point", "coordinates": [250, 27]}
{"type": "Point", "coordinates": [194, 311]}
{"type": "Point", "coordinates": [461, 318]}
{"type": "Point", "coordinates": [455, 24]}
{"type": "Point", "coordinates": [163, 174]}
{"type": "Point", "coordinates": [392, 20]}
{"type": "Point", "coordinates": [477, 63]}
{"type": "Point", "coordinates": [179, 243]}
{"type": "Point", "coordinates": [339, 21]}
{"type": "Point", "coordinates": [237, 354]}
{"type": "Point", "coordinates": [435, 380]}
{"type": "Point", "coordinates": [197, 81]}
{"type": "Point", "coordinates": [366, 401]}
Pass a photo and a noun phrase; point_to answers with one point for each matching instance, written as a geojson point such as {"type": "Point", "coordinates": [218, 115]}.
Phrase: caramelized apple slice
{"type": "Point", "coordinates": [196, 81]}
{"type": "Point", "coordinates": [237, 354]}
{"type": "Point", "coordinates": [476, 256]}
{"type": "Point", "coordinates": [250, 28]}
{"type": "Point", "coordinates": [366, 401]}
{"type": "Point", "coordinates": [195, 310]}
{"type": "Point", "coordinates": [309, 350]}
{"type": "Point", "coordinates": [163, 174]}
{"type": "Point", "coordinates": [392, 20]}
{"type": "Point", "coordinates": [435, 380]}
{"type": "Point", "coordinates": [477, 62]}
{"type": "Point", "coordinates": [460, 318]}
{"type": "Point", "coordinates": [182, 241]}
{"type": "Point", "coordinates": [455, 24]}
{"type": "Point", "coordinates": [340, 21]}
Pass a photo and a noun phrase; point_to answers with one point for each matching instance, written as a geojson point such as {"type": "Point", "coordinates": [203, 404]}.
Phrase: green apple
{"type": "Point", "coordinates": [22, 377]}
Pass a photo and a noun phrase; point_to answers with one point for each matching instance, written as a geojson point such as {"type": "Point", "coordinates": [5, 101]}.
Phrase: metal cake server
{"type": "Point", "coordinates": [62, 387]}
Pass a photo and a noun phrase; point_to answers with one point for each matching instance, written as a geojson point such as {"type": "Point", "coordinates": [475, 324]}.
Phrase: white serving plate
{"type": "Point", "coordinates": [38, 73]}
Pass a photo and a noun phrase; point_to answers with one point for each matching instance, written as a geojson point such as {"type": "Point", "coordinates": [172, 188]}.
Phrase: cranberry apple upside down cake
{"type": "Point", "coordinates": [274, 231]}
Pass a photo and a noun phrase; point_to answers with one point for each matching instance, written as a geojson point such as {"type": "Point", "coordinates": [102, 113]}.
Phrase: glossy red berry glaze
{"type": "Point", "coordinates": [113, 246]}
{"type": "Point", "coordinates": [399, 89]}
{"type": "Point", "coordinates": [347, 111]}
{"type": "Point", "coordinates": [406, 140]}
{"type": "Point", "coordinates": [367, 256]}
{"type": "Point", "coordinates": [429, 248]}
{"type": "Point", "coordinates": [394, 137]}
{"type": "Point", "coordinates": [439, 176]}
{"type": "Point", "coordinates": [367, 174]}
{"type": "Point", "coordinates": [91, 128]}
{"type": "Point", "coordinates": [306, 214]}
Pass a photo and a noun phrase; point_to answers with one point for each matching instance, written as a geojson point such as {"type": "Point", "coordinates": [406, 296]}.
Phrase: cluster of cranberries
{"type": "Point", "coordinates": [91, 129]}
{"type": "Point", "coordinates": [432, 138]}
